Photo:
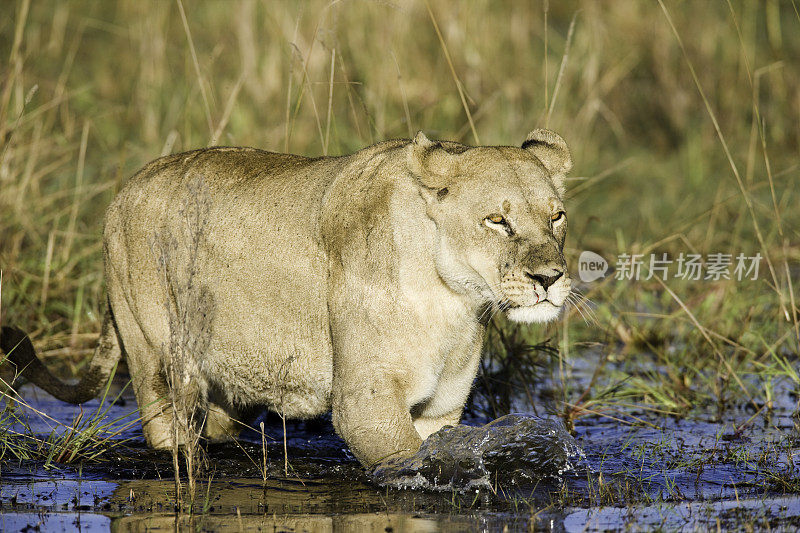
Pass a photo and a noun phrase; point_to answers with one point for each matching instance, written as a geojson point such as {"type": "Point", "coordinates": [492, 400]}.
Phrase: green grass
{"type": "Point", "coordinates": [683, 120]}
{"type": "Point", "coordinates": [90, 435]}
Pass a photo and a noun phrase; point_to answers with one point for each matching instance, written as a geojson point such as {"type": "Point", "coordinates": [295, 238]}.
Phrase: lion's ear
{"type": "Point", "coordinates": [551, 150]}
{"type": "Point", "coordinates": [431, 165]}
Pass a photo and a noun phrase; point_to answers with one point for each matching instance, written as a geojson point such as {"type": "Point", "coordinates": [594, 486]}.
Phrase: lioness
{"type": "Point", "coordinates": [360, 284]}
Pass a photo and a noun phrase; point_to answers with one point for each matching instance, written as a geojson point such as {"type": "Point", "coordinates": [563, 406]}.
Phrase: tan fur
{"type": "Point", "coordinates": [358, 284]}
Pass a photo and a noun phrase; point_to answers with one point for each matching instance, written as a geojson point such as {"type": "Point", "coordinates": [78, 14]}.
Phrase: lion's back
{"type": "Point", "coordinates": [241, 226]}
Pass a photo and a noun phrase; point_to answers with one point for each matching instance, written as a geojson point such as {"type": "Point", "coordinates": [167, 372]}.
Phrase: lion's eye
{"type": "Point", "coordinates": [496, 219]}
{"type": "Point", "coordinates": [557, 216]}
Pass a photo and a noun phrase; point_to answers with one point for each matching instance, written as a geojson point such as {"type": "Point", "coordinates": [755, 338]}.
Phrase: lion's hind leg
{"type": "Point", "coordinates": [220, 424]}
{"type": "Point", "coordinates": [149, 380]}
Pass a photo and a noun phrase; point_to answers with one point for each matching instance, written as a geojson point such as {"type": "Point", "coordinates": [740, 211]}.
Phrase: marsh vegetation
{"type": "Point", "coordinates": [683, 122]}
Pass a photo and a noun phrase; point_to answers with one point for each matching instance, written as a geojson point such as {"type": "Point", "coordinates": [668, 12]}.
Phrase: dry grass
{"type": "Point", "coordinates": [190, 310]}
{"type": "Point", "coordinates": [683, 119]}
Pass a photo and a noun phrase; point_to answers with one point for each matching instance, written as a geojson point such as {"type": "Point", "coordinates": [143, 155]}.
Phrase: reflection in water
{"type": "Point", "coordinates": [309, 522]}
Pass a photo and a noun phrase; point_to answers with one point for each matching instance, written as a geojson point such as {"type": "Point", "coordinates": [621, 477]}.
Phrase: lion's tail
{"type": "Point", "coordinates": [19, 351]}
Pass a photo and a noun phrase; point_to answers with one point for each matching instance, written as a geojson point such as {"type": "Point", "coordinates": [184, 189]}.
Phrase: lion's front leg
{"type": "Point", "coordinates": [371, 417]}
{"type": "Point", "coordinates": [427, 425]}
{"type": "Point", "coordinates": [370, 389]}
{"type": "Point", "coordinates": [446, 406]}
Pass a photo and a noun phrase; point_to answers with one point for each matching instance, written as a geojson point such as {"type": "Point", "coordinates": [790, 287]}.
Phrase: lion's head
{"type": "Point", "coordinates": [500, 221]}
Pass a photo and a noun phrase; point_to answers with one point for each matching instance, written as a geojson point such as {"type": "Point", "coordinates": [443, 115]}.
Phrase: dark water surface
{"type": "Point", "coordinates": [520, 472]}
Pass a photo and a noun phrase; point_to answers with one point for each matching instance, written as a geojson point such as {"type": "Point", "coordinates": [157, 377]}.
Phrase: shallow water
{"type": "Point", "coordinates": [521, 471]}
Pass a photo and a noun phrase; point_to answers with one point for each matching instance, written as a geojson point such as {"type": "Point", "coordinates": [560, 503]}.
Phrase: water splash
{"type": "Point", "coordinates": [514, 449]}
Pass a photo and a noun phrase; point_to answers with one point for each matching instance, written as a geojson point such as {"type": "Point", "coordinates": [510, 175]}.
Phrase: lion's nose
{"type": "Point", "coordinates": [545, 280]}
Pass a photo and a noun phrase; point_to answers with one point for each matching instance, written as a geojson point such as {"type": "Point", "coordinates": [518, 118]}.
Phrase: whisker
{"type": "Point", "coordinates": [587, 305]}
{"type": "Point", "coordinates": [576, 304]}
{"type": "Point", "coordinates": [591, 313]}
{"type": "Point", "coordinates": [583, 308]}
{"type": "Point", "coordinates": [580, 296]}
{"type": "Point", "coordinates": [571, 302]}
{"type": "Point", "coordinates": [491, 309]}
{"type": "Point", "coordinates": [494, 313]}
{"type": "Point", "coordinates": [486, 312]}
